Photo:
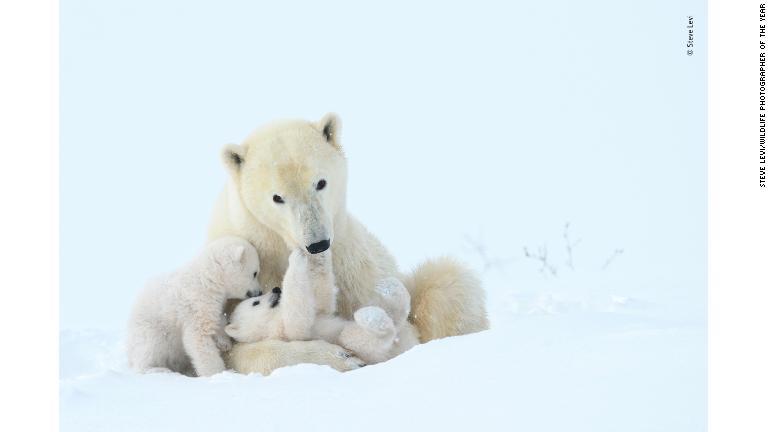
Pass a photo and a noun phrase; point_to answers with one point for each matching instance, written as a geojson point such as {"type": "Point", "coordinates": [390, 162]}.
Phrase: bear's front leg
{"type": "Point", "coordinates": [223, 341]}
{"type": "Point", "coordinates": [203, 352]}
{"type": "Point", "coordinates": [297, 306]}
{"type": "Point", "coordinates": [323, 282]}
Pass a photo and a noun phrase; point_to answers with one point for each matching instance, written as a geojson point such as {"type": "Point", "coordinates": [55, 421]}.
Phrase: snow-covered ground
{"type": "Point", "coordinates": [572, 352]}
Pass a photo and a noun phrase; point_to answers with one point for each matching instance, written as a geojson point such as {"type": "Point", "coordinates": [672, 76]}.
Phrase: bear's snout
{"type": "Point", "coordinates": [321, 246]}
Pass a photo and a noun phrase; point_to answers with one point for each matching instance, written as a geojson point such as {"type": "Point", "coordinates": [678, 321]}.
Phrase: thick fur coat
{"type": "Point", "coordinates": [293, 312]}
{"type": "Point", "coordinates": [287, 190]}
{"type": "Point", "coordinates": [177, 322]}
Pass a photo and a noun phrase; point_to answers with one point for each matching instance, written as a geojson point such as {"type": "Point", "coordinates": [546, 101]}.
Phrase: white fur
{"type": "Point", "coordinates": [266, 356]}
{"type": "Point", "coordinates": [177, 322]}
{"type": "Point", "coordinates": [288, 159]}
{"type": "Point", "coordinates": [372, 335]}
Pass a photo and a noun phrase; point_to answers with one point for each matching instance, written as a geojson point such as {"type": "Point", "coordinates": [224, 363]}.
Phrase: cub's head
{"type": "Point", "coordinates": [292, 177]}
{"type": "Point", "coordinates": [234, 263]}
{"type": "Point", "coordinates": [250, 320]}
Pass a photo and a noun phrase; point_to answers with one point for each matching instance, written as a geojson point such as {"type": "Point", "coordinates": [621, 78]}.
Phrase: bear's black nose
{"type": "Point", "coordinates": [321, 246]}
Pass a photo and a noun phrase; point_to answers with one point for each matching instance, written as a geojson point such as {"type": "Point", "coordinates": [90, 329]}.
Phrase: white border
{"type": "Point", "coordinates": [738, 230]}
{"type": "Point", "coordinates": [29, 214]}
{"type": "Point", "coordinates": [738, 217]}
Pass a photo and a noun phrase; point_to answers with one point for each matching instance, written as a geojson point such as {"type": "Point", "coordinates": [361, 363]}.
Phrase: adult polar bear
{"type": "Point", "coordinates": [287, 190]}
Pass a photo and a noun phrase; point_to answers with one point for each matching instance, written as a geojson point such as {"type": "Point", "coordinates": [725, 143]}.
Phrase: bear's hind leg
{"type": "Point", "coordinates": [370, 336]}
{"type": "Point", "coordinates": [266, 356]}
{"type": "Point", "coordinates": [394, 298]}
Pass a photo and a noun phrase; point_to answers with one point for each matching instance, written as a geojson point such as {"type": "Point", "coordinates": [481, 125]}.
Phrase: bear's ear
{"type": "Point", "coordinates": [233, 156]}
{"type": "Point", "coordinates": [238, 254]}
{"type": "Point", "coordinates": [274, 299]}
{"type": "Point", "coordinates": [330, 126]}
{"type": "Point", "coordinates": [231, 330]}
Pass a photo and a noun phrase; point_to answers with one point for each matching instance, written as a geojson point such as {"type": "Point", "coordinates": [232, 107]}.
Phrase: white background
{"type": "Point", "coordinates": [738, 234]}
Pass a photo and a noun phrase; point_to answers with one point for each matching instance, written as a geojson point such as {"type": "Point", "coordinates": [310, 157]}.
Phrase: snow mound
{"type": "Point", "coordinates": [589, 350]}
{"type": "Point", "coordinates": [535, 372]}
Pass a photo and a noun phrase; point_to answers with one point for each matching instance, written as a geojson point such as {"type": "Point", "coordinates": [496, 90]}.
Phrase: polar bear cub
{"type": "Point", "coordinates": [302, 310]}
{"type": "Point", "coordinates": [177, 322]}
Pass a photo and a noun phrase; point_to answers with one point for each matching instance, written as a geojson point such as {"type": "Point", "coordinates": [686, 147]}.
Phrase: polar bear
{"type": "Point", "coordinates": [177, 322]}
{"type": "Point", "coordinates": [293, 313]}
{"type": "Point", "coordinates": [287, 190]}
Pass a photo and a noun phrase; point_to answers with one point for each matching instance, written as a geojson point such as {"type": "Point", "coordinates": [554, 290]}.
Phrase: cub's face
{"type": "Point", "coordinates": [292, 178]}
{"type": "Point", "coordinates": [252, 318]}
{"type": "Point", "coordinates": [237, 266]}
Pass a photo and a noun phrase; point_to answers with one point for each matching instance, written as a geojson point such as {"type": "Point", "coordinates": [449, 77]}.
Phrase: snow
{"type": "Point", "coordinates": [562, 354]}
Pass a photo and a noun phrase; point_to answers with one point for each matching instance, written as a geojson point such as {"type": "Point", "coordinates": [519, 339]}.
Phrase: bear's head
{"type": "Point", "coordinates": [234, 263]}
{"type": "Point", "coordinates": [292, 176]}
{"type": "Point", "coordinates": [253, 318]}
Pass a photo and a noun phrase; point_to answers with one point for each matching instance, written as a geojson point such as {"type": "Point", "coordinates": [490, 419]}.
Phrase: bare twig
{"type": "Point", "coordinates": [611, 258]}
{"type": "Point", "coordinates": [481, 250]}
{"type": "Point", "coordinates": [569, 244]}
{"type": "Point", "coordinates": [541, 256]}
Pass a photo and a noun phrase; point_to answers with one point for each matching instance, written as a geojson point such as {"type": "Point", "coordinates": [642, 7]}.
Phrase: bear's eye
{"type": "Point", "coordinates": [256, 303]}
{"type": "Point", "coordinates": [255, 274]}
{"type": "Point", "coordinates": [321, 184]}
{"type": "Point", "coordinates": [278, 199]}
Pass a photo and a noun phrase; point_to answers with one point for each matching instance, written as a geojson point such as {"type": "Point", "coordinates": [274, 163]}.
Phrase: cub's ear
{"type": "Point", "coordinates": [330, 126]}
{"type": "Point", "coordinates": [238, 254]}
{"type": "Point", "coordinates": [233, 156]}
{"type": "Point", "coordinates": [231, 330]}
{"type": "Point", "coordinates": [274, 299]}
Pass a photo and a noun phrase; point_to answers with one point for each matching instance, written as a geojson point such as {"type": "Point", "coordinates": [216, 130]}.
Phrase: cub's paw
{"type": "Point", "coordinates": [394, 298]}
{"type": "Point", "coordinates": [336, 357]}
{"type": "Point", "coordinates": [390, 287]}
{"type": "Point", "coordinates": [374, 319]}
{"type": "Point", "coordinates": [209, 367]}
{"type": "Point", "coordinates": [350, 361]}
{"type": "Point", "coordinates": [223, 342]}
